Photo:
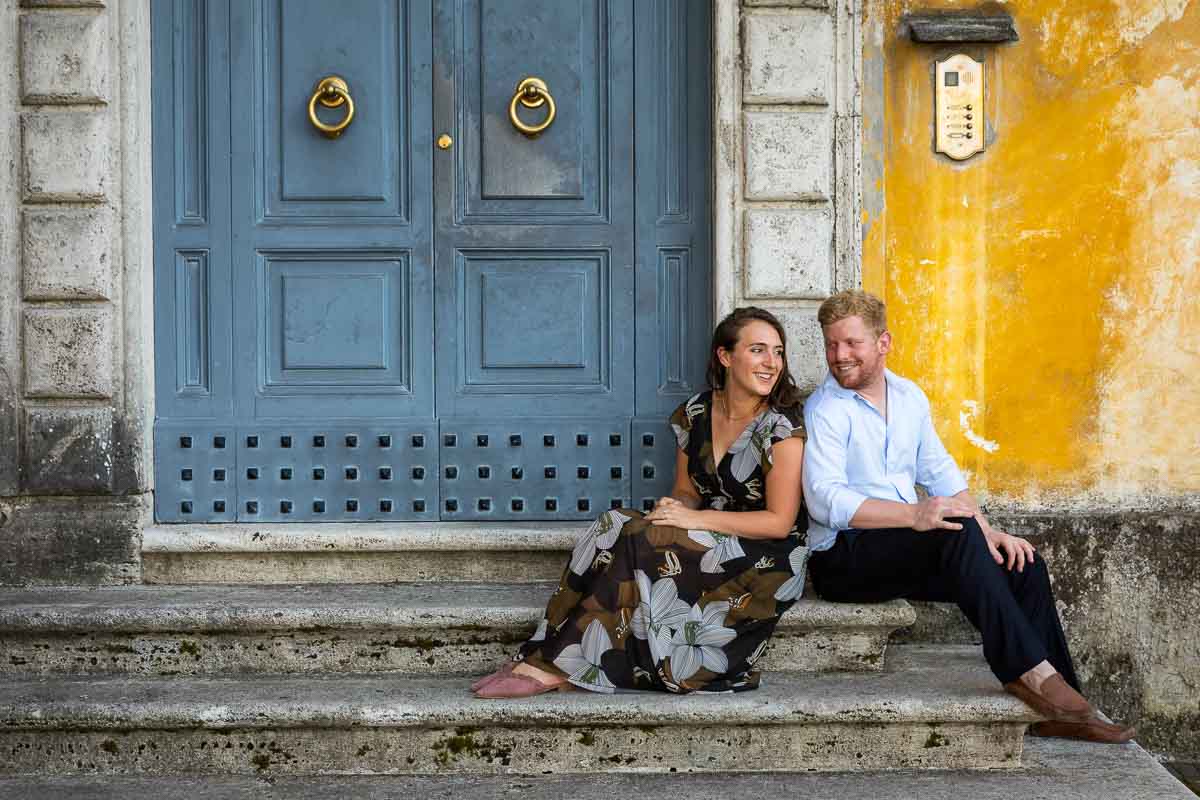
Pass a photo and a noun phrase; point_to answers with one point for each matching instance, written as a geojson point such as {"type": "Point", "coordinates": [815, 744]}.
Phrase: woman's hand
{"type": "Point", "coordinates": [671, 512]}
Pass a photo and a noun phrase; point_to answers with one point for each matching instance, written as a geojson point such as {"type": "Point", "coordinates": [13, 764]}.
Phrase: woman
{"type": "Point", "coordinates": [684, 598]}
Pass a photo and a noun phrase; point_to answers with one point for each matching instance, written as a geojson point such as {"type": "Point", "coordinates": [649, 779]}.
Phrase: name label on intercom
{"type": "Point", "coordinates": [959, 102]}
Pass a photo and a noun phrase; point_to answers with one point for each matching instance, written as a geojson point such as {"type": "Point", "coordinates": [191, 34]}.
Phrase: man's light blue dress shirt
{"type": "Point", "coordinates": [853, 454]}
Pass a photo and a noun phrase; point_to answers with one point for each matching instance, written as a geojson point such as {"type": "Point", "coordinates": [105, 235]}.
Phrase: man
{"type": "Point", "coordinates": [870, 442]}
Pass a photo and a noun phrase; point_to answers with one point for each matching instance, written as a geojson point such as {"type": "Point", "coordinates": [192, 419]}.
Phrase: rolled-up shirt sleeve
{"type": "Point", "coordinates": [936, 470]}
{"type": "Point", "coordinates": [827, 490]}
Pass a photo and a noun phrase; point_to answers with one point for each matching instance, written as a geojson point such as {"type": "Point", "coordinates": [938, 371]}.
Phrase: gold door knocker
{"type": "Point", "coordinates": [331, 92]}
{"type": "Point", "coordinates": [532, 93]}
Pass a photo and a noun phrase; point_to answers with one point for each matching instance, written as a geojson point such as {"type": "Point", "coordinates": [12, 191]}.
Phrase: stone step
{"type": "Point", "coordinates": [1052, 770]}
{"type": "Point", "coordinates": [932, 707]}
{"type": "Point", "coordinates": [441, 629]}
{"type": "Point", "coordinates": [938, 623]}
{"type": "Point", "coordinates": [356, 553]}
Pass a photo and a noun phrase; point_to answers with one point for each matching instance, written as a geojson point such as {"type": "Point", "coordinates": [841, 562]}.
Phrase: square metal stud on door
{"type": "Point", "coordinates": [338, 473]}
{"type": "Point", "coordinates": [575, 469]}
{"type": "Point", "coordinates": [190, 468]}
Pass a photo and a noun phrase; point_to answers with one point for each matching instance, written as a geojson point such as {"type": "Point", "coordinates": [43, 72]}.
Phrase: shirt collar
{"type": "Point", "coordinates": [837, 390]}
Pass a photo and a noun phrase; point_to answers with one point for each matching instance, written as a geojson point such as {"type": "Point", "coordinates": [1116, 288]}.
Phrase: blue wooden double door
{"type": "Point", "coordinates": [393, 282]}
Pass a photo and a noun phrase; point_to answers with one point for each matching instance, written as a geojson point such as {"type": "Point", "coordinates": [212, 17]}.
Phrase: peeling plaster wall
{"type": "Point", "coordinates": [1044, 290]}
{"type": "Point", "coordinates": [1045, 294]}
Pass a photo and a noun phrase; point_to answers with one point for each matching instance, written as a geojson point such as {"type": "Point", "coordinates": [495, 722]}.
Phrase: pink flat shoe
{"type": "Point", "coordinates": [505, 670]}
{"type": "Point", "coordinates": [512, 686]}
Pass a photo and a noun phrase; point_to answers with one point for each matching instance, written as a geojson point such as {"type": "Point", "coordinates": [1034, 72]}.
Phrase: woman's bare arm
{"type": "Point", "coordinates": [783, 502]}
{"type": "Point", "coordinates": [683, 490]}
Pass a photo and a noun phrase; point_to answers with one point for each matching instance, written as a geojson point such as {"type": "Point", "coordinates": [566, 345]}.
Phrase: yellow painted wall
{"type": "Point", "coordinates": [1046, 293]}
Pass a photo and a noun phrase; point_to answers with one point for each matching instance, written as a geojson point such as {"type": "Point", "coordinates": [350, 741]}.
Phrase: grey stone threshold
{"type": "Point", "coordinates": [356, 553]}
{"type": "Point", "coordinates": [1054, 770]}
{"type": "Point", "coordinates": [360, 537]}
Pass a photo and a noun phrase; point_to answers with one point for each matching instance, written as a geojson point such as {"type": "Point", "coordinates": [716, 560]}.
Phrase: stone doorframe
{"type": "Point", "coordinates": [76, 310]}
{"type": "Point", "coordinates": [787, 161]}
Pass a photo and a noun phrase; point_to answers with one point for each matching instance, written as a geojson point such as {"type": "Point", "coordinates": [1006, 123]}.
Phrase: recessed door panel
{"type": "Point", "coordinates": [560, 174]}
{"type": "Point", "coordinates": [535, 269]}
{"type": "Point", "coordinates": [362, 175]}
{"type": "Point", "coordinates": [336, 320]}
{"type": "Point", "coordinates": [332, 271]}
{"type": "Point", "coordinates": [535, 322]}
{"type": "Point", "coordinates": [192, 276]}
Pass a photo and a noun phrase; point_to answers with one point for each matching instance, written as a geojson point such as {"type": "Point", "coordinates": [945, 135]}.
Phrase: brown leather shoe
{"type": "Point", "coordinates": [1055, 700]}
{"type": "Point", "coordinates": [1097, 730]}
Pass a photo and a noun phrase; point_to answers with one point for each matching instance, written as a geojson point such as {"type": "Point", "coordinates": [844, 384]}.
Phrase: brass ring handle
{"type": "Point", "coordinates": [331, 92]}
{"type": "Point", "coordinates": [532, 93]}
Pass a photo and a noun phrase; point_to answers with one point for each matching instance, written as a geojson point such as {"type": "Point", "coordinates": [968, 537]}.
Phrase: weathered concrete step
{"type": "Point", "coordinates": [931, 708]}
{"type": "Point", "coordinates": [938, 623]}
{"type": "Point", "coordinates": [1053, 770]}
{"type": "Point", "coordinates": [441, 629]}
{"type": "Point", "coordinates": [354, 553]}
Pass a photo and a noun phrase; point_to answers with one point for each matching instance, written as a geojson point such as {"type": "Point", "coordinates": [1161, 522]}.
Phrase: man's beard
{"type": "Point", "coordinates": [859, 378]}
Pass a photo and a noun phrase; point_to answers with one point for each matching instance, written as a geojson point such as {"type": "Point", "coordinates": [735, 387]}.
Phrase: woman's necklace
{"type": "Point", "coordinates": [729, 417]}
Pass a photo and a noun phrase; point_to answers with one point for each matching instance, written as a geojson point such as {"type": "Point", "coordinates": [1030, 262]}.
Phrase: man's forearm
{"type": "Point", "coordinates": [929, 514]}
{"type": "Point", "coordinates": [874, 514]}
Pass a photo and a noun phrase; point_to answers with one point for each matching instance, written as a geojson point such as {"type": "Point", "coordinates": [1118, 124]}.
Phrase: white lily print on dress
{"type": "Point", "coordinates": [757, 654]}
{"type": "Point", "coordinates": [751, 447]}
{"type": "Point", "coordinates": [723, 547]}
{"type": "Point", "coordinates": [793, 587]}
{"type": "Point", "coordinates": [659, 613]}
{"type": "Point", "coordinates": [698, 642]}
{"type": "Point", "coordinates": [581, 662]}
{"type": "Point", "coordinates": [600, 536]}
{"type": "Point", "coordinates": [691, 410]}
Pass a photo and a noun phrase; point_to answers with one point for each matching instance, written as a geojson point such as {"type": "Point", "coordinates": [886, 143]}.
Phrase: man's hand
{"type": "Point", "coordinates": [931, 513]}
{"type": "Point", "coordinates": [1018, 551]}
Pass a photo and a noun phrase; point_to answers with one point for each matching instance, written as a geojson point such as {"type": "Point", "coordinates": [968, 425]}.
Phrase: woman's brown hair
{"type": "Point", "coordinates": [784, 394]}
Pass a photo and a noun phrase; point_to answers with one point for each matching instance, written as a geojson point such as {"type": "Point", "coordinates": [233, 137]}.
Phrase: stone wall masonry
{"type": "Point", "coordinates": [64, 156]}
{"type": "Point", "coordinates": [788, 56]}
{"type": "Point", "coordinates": [787, 252]}
{"type": "Point", "coordinates": [10, 251]}
{"type": "Point", "coordinates": [67, 253]}
{"type": "Point", "coordinates": [68, 352]}
{"type": "Point", "coordinates": [787, 217]}
{"type": "Point", "coordinates": [64, 58]}
{"type": "Point", "coordinates": [71, 541]}
{"type": "Point", "coordinates": [71, 414]}
{"type": "Point", "coordinates": [68, 449]}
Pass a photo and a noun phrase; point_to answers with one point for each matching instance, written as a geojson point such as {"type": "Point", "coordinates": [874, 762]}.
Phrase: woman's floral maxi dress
{"type": "Point", "coordinates": [643, 606]}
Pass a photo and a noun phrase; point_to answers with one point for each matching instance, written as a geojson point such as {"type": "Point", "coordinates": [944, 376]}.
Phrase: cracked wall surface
{"type": "Point", "coordinates": [1043, 293]}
